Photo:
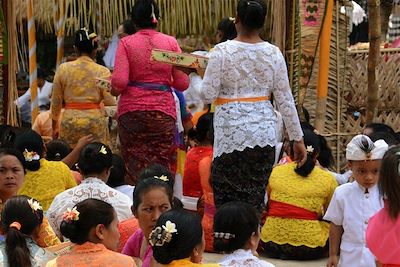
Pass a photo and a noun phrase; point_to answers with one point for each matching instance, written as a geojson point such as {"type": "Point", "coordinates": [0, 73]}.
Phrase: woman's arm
{"type": "Point", "coordinates": [57, 101]}
{"type": "Point", "coordinates": [120, 76]}
{"type": "Point", "coordinates": [73, 156]}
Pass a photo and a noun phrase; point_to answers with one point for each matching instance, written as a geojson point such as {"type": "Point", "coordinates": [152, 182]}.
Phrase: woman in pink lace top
{"type": "Point", "coordinates": [146, 108]}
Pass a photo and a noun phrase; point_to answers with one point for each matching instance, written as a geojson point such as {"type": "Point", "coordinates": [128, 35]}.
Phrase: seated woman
{"type": "Point", "coordinates": [298, 198]}
{"type": "Point", "coordinates": [177, 239]}
{"type": "Point", "coordinates": [92, 225]}
{"type": "Point", "coordinates": [44, 179]}
{"type": "Point", "coordinates": [21, 220]}
{"type": "Point", "coordinates": [12, 175]}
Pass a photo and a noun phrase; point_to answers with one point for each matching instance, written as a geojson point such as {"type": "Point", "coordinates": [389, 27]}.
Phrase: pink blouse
{"type": "Point", "coordinates": [383, 237]}
{"type": "Point", "coordinates": [132, 248]}
{"type": "Point", "coordinates": [133, 64]}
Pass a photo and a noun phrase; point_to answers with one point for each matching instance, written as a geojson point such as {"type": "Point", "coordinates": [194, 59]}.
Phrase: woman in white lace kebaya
{"type": "Point", "coordinates": [237, 233]}
{"type": "Point", "coordinates": [241, 76]}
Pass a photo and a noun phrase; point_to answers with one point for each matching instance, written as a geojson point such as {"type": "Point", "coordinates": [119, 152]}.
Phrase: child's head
{"type": "Point", "coordinates": [236, 226]}
{"type": "Point", "coordinates": [95, 159]}
{"type": "Point", "coordinates": [91, 220]}
{"type": "Point", "coordinates": [226, 30]}
{"type": "Point", "coordinates": [377, 127]}
{"type": "Point", "coordinates": [57, 150]}
{"type": "Point", "coordinates": [251, 14]}
{"type": "Point", "coordinates": [389, 179]}
{"type": "Point", "coordinates": [364, 159]}
{"type": "Point", "coordinates": [12, 172]}
{"type": "Point", "coordinates": [205, 129]}
{"type": "Point", "coordinates": [312, 143]}
{"type": "Point", "coordinates": [151, 197]}
{"type": "Point", "coordinates": [145, 14]}
{"type": "Point", "coordinates": [177, 235]}
{"type": "Point", "coordinates": [20, 218]}
{"type": "Point", "coordinates": [31, 145]}
{"type": "Point", "coordinates": [118, 172]}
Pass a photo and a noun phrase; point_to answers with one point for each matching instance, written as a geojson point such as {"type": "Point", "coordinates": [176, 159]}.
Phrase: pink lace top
{"type": "Point", "coordinates": [132, 63]}
{"type": "Point", "coordinates": [133, 245]}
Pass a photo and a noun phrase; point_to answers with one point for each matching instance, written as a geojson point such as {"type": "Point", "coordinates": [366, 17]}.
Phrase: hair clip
{"type": "Point", "coordinates": [35, 206]}
{"type": "Point", "coordinates": [30, 155]}
{"type": "Point", "coordinates": [153, 16]}
{"type": "Point", "coordinates": [15, 225]}
{"type": "Point", "coordinates": [103, 150]}
{"type": "Point", "coordinates": [224, 235]}
{"type": "Point", "coordinates": [163, 234]}
{"type": "Point", "coordinates": [162, 178]}
{"type": "Point", "coordinates": [310, 149]}
{"type": "Point", "coordinates": [71, 215]}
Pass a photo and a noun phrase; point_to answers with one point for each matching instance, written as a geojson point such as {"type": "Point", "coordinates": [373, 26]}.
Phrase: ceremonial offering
{"type": "Point", "coordinates": [179, 59]}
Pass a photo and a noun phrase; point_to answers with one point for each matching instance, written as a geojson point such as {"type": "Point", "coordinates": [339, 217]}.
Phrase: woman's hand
{"type": "Point", "coordinates": [56, 129]}
{"type": "Point", "coordinates": [300, 152]}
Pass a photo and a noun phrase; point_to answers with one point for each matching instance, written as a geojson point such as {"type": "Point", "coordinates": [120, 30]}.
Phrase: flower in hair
{"type": "Point", "coordinates": [153, 16]}
{"type": "Point", "coordinates": [170, 227]}
{"type": "Point", "coordinates": [71, 215]}
{"type": "Point", "coordinates": [34, 205]}
{"type": "Point", "coordinates": [162, 178]}
{"type": "Point", "coordinates": [310, 149]}
{"type": "Point", "coordinates": [232, 19]}
{"type": "Point", "coordinates": [103, 150]}
{"type": "Point", "coordinates": [30, 155]}
{"type": "Point", "coordinates": [161, 235]}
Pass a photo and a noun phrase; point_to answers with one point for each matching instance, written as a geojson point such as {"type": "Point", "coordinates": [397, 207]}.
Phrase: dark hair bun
{"type": "Point", "coordinates": [69, 230]}
{"type": "Point", "coordinates": [252, 13]}
{"type": "Point", "coordinates": [145, 14]}
{"type": "Point", "coordinates": [95, 158]}
{"type": "Point", "coordinates": [30, 144]}
{"type": "Point", "coordinates": [85, 41]}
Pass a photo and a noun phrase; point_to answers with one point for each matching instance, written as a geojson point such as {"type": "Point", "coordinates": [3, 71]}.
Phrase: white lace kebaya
{"type": "Point", "coordinates": [242, 70]}
{"type": "Point", "coordinates": [244, 258]}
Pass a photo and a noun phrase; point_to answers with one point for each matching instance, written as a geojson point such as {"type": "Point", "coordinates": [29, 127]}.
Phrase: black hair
{"type": "Point", "coordinates": [18, 210]}
{"type": "Point", "coordinates": [389, 180]}
{"type": "Point", "coordinates": [92, 212]}
{"type": "Point", "coordinates": [31, 142]}
{"type": "Point", "coordinates": [238, 219]}
{"type": "Point", "coordinates": [85, 41]}
{"type": "Point", "coordinates": [142, 14]}
{"type": "Point", "coordinates": [94, 159]}
{"type": "Point", "coordinates": [158, 170]}
{"type": "Point", "coordinates": [205, 128]}
{"type": "Point", "coordinates": [57, 150]}
{"type": "Point", "coordinates": [15, 153]}
{"type": "Point", "coordinates": [310, 139]}
{"type": "Point", "coordinates": [147, 184]}
{"type": "Point", "coordinates": [252, 13]}
{"type": "Point", "coordinates": [389, 138]}
{"type": "Point", "coordinates": [41, 73]}
{"type": "Point", "coordinates": [189, 234]}
{"type": "Point", "coordinates": [227, 26]}
{"type": "Point", "coordinates": [380, 127]}
{"type": "Point", "coordinates": [128, 26]}
{"type": "Point", "coordinates": [118, 172]}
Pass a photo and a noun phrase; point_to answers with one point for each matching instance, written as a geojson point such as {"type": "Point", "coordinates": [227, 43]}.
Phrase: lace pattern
{"type": "Point", "coordinates": [244, 258]}
{"type": "Point", "coordinates": [240, 70]}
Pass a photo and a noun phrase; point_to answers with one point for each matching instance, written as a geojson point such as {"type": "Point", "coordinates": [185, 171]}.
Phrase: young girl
{"type": "Point", "coordinates": [92, 225]}
{"type": "Point", "coordinates": [21, 219]}
{"type": "Point", "coordinates": [44, 179]}
{"type": "Point", "coordinates": [383, 228]}
{"type": "Point", "coordinates": [152, 197]}
{"type": "Point", "coordinates": [354, 203]}
{"type": "Point", "coordinates": [237, 233]}
{"type": "Point", "coordinates": [177, 239]}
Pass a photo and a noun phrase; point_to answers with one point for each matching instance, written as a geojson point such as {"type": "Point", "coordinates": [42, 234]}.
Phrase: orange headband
{"type": "Point", "coordinates": [15, 225]}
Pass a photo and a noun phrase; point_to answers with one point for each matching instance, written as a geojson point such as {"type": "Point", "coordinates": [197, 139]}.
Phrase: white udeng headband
{"type": "Point", "coordinates": [362, 148]}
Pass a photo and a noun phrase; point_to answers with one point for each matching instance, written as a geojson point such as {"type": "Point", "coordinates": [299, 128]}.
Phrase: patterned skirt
{"type": "Point", "coordinates": [146, 137]}
{"type": "Point", "coordinates": [242, 176]}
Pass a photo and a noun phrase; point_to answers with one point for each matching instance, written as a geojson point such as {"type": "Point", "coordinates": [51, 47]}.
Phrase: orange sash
{"type": "Point", "coordinates": [82, 105]}
{"type": "Point", "coordinates": [284, 210]}
{"type": "Point", "coordinates": [220, 101]}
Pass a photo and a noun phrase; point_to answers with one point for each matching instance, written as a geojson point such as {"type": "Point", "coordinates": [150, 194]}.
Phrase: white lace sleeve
{"type": "Point", "coordinates": [284, 98]}
{"type": "Point", "coordinates": [212, 80]}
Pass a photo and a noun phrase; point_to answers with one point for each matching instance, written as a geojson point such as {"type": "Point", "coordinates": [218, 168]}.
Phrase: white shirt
{"type": "Point", "coordinates": [126, 189]}
{"type": "Point", "coordinates": [243, 257]}
{"type": "Point", "coordinates": [351, 208]}
{"type": "Point", "coordinates": [43, 97]}
{"type": "Point", "coordinates": [242, 70]}
{"type": "Point", "coordinates": [89, 188]}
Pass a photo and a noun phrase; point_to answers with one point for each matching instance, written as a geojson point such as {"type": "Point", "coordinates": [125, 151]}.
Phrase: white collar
{"type": "Point", "coordinates": [238, 254]}
{"type": "Point", "coordinates": [92, 180]}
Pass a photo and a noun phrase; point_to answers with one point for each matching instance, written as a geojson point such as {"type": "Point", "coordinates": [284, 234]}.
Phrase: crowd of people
{"type": "Point", "coordinates": [245, 186]}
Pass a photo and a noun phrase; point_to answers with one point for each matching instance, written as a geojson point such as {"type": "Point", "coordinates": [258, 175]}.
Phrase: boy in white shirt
{"type": "Point", "coordinates": [354, 203]}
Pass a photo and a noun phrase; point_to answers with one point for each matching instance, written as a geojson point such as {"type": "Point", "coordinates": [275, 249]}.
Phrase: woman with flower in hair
{"type": "Point", "coordinates": [76, 85]}
{"type": "Point", "coordinates": [177, 239]}
{"type": "Point", "coordinates": [297, 200]}
{"type": "Point", "coordinates": [94, 163]}
{"type": "Point", "coordinates": [92, 226]}
{"type": "Point", "coordinates": [146, 107]}
{"type": "Point", "coordinates": [21, 219]}
{"type": "Point", "coordinates": [44, 179]}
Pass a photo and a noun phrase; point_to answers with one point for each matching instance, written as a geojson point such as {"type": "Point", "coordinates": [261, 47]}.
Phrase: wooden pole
{"type": "Point", "coordinates": [374, 32]}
